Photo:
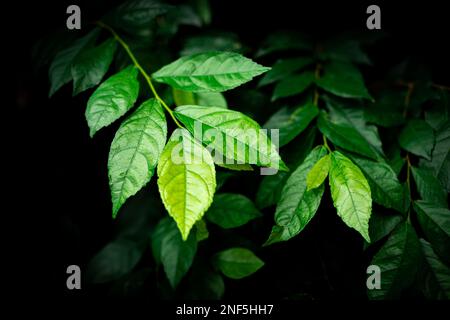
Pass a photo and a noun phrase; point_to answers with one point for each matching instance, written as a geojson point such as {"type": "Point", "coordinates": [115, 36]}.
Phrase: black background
{"type": "Point", "coordinates": [60, 203]}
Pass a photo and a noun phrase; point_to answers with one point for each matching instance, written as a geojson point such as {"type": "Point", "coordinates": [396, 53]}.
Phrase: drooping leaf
{"type": "Point", "coordinates": [398, 260]}
{"type": "Point", "coordinates": [343, 80]}
{"type": "Point", "coordinates": [291, 123]}
{"type": "Point", "coordinates": [270, 188]}
{"type": "Point", "coordinates": [60, 69]}
{"type": "Point", "coordinates": [230, 210]}
{"type": "Point", "coordinates": [437, 278]}
{"type": "Point", "coordinates": [429, 187]}
{"type": "Point", "coordinates": [381, 225]}
{"type": "Point", "coordinates": [135, 151]}
{"type": "Point", "coordinates": [112, 99]}
{"type": "Point", "coordinates": [351, 193]}
{"type": "Point", "coordinates": [91, 65]}
{"type": "Point", "coordinates": [169, 249]}
{"type": "Point", "coordinates": [384, 184]}
{"type": "Point", "coordinates": [293, 85]}
{"type": "Point", "coordinates": [230, 134]}
{"type": "Point", "coordinates": [209, 71]}
{"type": "Point", "coordinates": [186, 180]}
{"type": "Point", "coordinates": [283, 68]}
{"type": "Point", "coordinates": [418, 138]}
{"type": "Point", "coordinates": [115, 260]}
{"type": "Point", "coordinates": [237, 263]}
{"type": "Point", "coordinates": [297, 206]}
{"type": "Point", "coordinates": [318, 173]}
{"type": "Point", "coordinates": [435, 223]}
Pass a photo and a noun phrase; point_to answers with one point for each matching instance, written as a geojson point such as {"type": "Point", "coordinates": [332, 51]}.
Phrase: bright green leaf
{"type": "Point", "coordinates": [293, 85]}
{"type": "Point", "coordinates": [211, 99]}
{"type": "Point", "coordinates": [210, 71]}
{"type": "Point", "coordinates": [318, 173]}
{"type": "Point", "coordinates": [237, 263]}
{"type": "Point", "coordinates": [135, 151]}
{"type": "Point", "coordinates": [112, 99]}
{"type": "Point", "coordinates": [186, 180]}
{"type": "Point", "coordinates": [230, 210]}
{"type": "Point", "coordinates": [351, 193]}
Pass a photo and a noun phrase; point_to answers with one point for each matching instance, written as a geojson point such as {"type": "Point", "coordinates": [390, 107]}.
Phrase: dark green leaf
{"type": "Point", "coordinates": [230, 210]}
{"type": "Point", "coordinates": [344, 80]}
{"type": "Point", "coordinates": [417, 137]}
{"type": "Point", "coordinates": [345, 51]}
{"type": "Point", "coordinates": [437, 278]}
{"type": "Point", "coordinates": [398, 260]}
{"type": "Point", "coordinates": [136, 14]}
{"type": "Point", "coordinates": [381, 225]}
{"type": "Point", "coordinates": [283, 68]}
{"type": "Point", "coordinates": [293, 85]}
{"type": "Point", "coordinates": [351, 193]}
{"type": "Point", "coordinates": [209, 71]}
{"type": "Point", "coordinates": [211, 42]}
{"type": "Point", "coordinates": [429, 187]}
{"type": "Point", "coordinates": [112, 99]}
{"type": "Point", "coordinates": [60, 69]}
{"type": "Point", "coordinates": [169, 249]}
{"type": "Point", "coordinates": [283, 40]}
{"type": "Point", "coordinates": [387, 110]}
{"type": "Point", "coordinates": [291, 123]}
{"type": "Point", "coordinates": [135, 151]}
{"type": "Point", "coordinates": [237, 263]}
{"type": "Point", "coordinates": [297, 206]}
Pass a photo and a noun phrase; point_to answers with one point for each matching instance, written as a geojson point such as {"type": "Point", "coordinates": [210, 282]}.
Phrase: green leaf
{"type": "Point", "coordinates": [343, 80]}
{"type": "Point", "coordinates": [345, 51]}
{"type": "Point", "coordinates": [291, 123]}
{"type": "Point", "coordinates": [210, 71]}
{"type": "Point", "coordinates": [211, 99]}
{"type": "Point", "coordinates": [439, 114]}
{"type": "Point", "coordinates": [293, 85]}
{"type": "Point", "coordinates": [221, 178]}
{"type": "Point", "coordinates": [429, 187]}
{"type": "Point", "coordinates": [181, 97]}
{"type": "Point", "coordinates": [60, 69]}
{"type": "Point", "coordinates": [186, 180]}
{"type": "Point", "coordinates": [112, 99]}
{"type": "Point", "coordinates": [135, 151]}
{"type": "Point", "coordinates": [282, 41]}
{"type": "Point", "coordinates": [351, 193]}
{"type": "Point", "coordinates": [237, 263]}
{"type": "Point", "coordinates": [269, 191]}
{"type": "Point", "coordinates": [283, 68]}
{"type": "Point", "coordinates": [230, 210]}
{"type": "Point", "coordinates": [169, 249]}
{"type": "Point", "coordinates": [346, 137]}
{"type": "Point", "coordinates": [136, 14]}
{"type": "Point", "coordinates": [386, 110]}
{"type": "Point", "coordinates": [318, 173]}
{"type": "Point", "coordinates": [204, 283]}
{"type": "Point", "coordinates": [201, 229]}
{"type": "Point", "coordinates": [381, 225]}
{"type": "Point", "coordinates": [222, 129]}
{"type": "Point", "coordinates": [384, 185]}
{"type": "Point", "coordinates": [114, 261]}
{"type": "Point", "coordinates": [91, 65]}
{"type": "Point", "coordinates": [437, 279]}
{"type": "Point", "coordinates": [233, 166]}
{"type": "Point", "coordinates": [398, 260]}
{"type": "Point", "coordinates": [417, 137]}
{"type": "Point", "coordinates": [297, 205]}
{"type": "Point", "coordinates": [435, 223]}
{"type": "Point", "coordinates": [211, 42]}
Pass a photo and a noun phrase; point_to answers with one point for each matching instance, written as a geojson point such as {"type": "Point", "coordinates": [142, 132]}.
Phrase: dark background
{"type": "Point", "coordinates": [60, 202]}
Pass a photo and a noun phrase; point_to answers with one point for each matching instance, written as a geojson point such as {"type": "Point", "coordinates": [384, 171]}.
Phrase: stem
{"type": "Point", "coordinates": [141, 70]}
{"type": "Point", "coordinates": [408, 97]}
{"type": "Point", "coordinates": [316, 76]}
{"type": "Point", "coordinates": [408, 182]}
{"type": "Point", "coordinates": [325, 143]}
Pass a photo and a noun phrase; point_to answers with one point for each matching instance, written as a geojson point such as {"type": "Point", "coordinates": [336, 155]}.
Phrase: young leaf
{"type": "Point", "coordinates": [283, 68]}
{"type": "Point", "coordinates": [418, 138]}
{"type": "Point", "coordinates": [60, 69]}
{"type": "Point", "coordinates": [135, 151]}
{"type": "Point", "coordinates": [231, 134]}
{"type": "Point", "coordinates": [297, 206]}
{"type": "Point", "coordinates": [181, 97]}
{"type": "Point", "coordinates": [186, 180]}
{"type": "Point", "coordinates": [169, 249]}
{"type": "Point", "coordinates": [237, 263]}
{"type": "Point", "coordinates": [343, 80]}
{"type": "Point", "coordinates": [384, 185]}
{"type": "Point", "coordinates": [112, 99]}
{"type": "Point", "coordinates": [398, 259]}
{"type": "Point", "coordinates": [230, 210]}
{"type": "Point", "coordinates": [293, 85]}
{"type": "Point", "coordinates": [91, 65]}
{"type": "Point", "coordinates": [292, 123]}
{"type": "Point", "coordinates": [429, 187]}
{"type": "Point", "coordinates": [435, 223]}
{"type": "Point", "coordinates": [437, 278]}
{"type": "Point", "coordinates": [351, 193]}
{"type": "Point", "coordinates": [318, 173]}
{"type": "Point", "coordinates": [210, 71]}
